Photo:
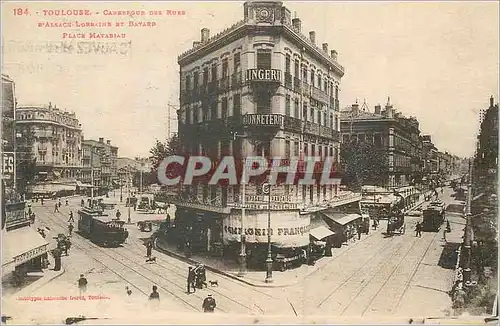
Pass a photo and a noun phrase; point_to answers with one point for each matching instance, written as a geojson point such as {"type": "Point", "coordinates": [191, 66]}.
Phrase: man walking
{"type": "Point", "coordinates": [70, 229]}
{"type": "Point", "coordinates": [418, 230]}
{"type": "Point", "coordinates": [56, 208]}
{"type": "Point", "coordinates": [209, 304]}
{"type": "Point", "coordinates": [57, 258]}
{"type": "Point", "coordinates": [154, 295]}
{"type": "Point", "coordinates": [71, 219]}
{"type": "Point", "coordinates": [118, 214]}
{"type": "Point", "coordinates": [149, 248]}
{"type": "Point", "coordinates": [82, 284]}
{"type": "Point", "coordinates": [190, 281]}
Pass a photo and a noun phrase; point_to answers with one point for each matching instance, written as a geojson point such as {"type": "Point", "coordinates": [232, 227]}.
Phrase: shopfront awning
{"type": "Point", "coordinates": [83, 185]}
{"type": "Point", "coordinates": [21, 245]}
{"type": "Point", "coordinates": [339, 217]}
{"type": "Point", "coordinates": [321, 232]}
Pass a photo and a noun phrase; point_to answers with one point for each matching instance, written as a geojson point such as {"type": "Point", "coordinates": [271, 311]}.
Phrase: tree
{"type": "Point", "coordinates": [160, 150]}
{"type": "Point", "coordinates": [363, 163]}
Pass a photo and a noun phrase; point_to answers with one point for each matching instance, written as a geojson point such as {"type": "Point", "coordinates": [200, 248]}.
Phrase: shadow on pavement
{"type": "Point", "coordinates": [449, 255]}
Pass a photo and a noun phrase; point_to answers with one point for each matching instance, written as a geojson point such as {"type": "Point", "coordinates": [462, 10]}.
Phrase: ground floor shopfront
{"type": "Point", "coordinates": [23, 250]}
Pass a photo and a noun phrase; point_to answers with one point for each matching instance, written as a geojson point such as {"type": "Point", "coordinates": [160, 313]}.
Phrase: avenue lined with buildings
{"type": "Point", "coordinates": [407, 233]}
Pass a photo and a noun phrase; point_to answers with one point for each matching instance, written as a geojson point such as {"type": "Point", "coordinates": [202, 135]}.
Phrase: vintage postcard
{"type": "Point", "coordinates": [258, 162]}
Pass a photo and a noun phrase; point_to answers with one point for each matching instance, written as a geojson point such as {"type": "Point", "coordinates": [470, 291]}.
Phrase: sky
{"type": "Point", "coordinates": [438, 61]}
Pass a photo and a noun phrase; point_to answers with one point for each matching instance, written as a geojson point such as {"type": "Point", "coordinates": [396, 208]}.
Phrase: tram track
{"type": "Point", "coordinates": [160, 279]}
{"type": "Point", "coordinates": [90, 246]}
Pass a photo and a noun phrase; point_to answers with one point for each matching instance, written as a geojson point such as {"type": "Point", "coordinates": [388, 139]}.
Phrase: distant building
{"type": "Point", "coordinates": [100, 164]}
{"type": "Point", "coordinates": [8, 132]}
{"type": "Point", "coordinates": [389, 130]}
{"type": "Point", "coordinates": [430, 156]}
{"type": "Point", "coordinates": [486, 161]}
{"type": "Point", "coordinates": [54, 137]}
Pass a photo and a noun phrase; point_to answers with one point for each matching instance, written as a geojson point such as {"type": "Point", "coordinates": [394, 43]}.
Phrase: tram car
{"type": "Point", "coordinates": [433, 217]}
{"type": "Point", "coordinates": [101, 228]}
{"type": "Point", "coordinates": [396, 223]}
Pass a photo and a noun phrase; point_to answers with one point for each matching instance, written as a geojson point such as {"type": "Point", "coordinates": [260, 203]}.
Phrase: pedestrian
{"type": "Point", "coordinates": [82, 202]}
{"type": "Point", "coordinates": [135, 207]}
{"type": "Point", "coordinates": [190, 281]}
{"type": "Point", "coordinates": [444, 235]}
{"type": "Point", "coordinates": [56, 208]}
{"type": "Point", "coordinates": [358, 229]}
{"type": "Point", "coordinates": [67, 204]}
{"type": "Point", "coordinates": [448, 226]}
{"type": "Point", "coordinates": [168, 220]}
{"type": "Point", "coordinates": [118, 214]}
{"type": "Point", "coordinates": [129, 291]}
{"type": "Point", "coordinates": [149, 248]}
{"type": "Point", "coordinates": [59, 202]}
{"type": "Point", "coordinates": [70, 228]}
{"type": "Point", "coordinates": [82, 284]}
{"type": "Point", "coordinates": [32, 218]}
{"type": "Point", "coordinates": [41, 201]}
{"type": "Point", "coordinates": [57, 259]}
{"type": "Point", "coordinates": [65, 245]}
{"type": "Point", "coordinates": [71, 219]}
{"type": "Point", "coordinates": [418, 230]}
{"type": "Point", "coordinates": [154, 295]}
{"type": "Point", "coordinates": [209, 304]}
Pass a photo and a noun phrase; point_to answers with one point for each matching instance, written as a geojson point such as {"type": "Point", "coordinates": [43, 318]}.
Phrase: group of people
{"type": "Point", "coordinates": [208, 305]}
{"type": "Point", "coordinates": [197, 278]}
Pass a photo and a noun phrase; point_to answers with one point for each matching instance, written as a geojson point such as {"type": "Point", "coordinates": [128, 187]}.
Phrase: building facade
{"type": "Point", "coordinates": [22, 246]}
{"type": "Point", "coordinates": [99, 163]}
{"type": "Point", "coordinates": [390, 131]}
{"type": "Point", "coordinates": [259, 88]}
{"type": "Point", "coordinates": [54, 137]}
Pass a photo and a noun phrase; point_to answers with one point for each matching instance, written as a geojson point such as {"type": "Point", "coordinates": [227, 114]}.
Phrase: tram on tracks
{"type": "Point", "coordinates": [433, 217]}
{"type": "Point", "coordinates": [396, 223]}
{"type": "Point", "coordinates": [101, 228]}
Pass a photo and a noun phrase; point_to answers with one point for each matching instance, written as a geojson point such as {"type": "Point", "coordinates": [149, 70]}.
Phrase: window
{"type": "Point", "coordinates": [237, 65]}
{"type": "Point", "coordinates": [306, 149]}
{"type": "Point", "coordinates": [319, 117]}
{"type": "Point", "coordinates": [225, 68]}
{"type": "Point", "coordinates": [263, 59]}
{"type": "Point", "coordinates": [188, 83]}
{"type": "Point", "coordinates": [312, 114]}
{"type": "Point", "coordinates": [319, 81]}
{"type": "Point", "coordinates": [188, 115]}
{"type": "Point", "coordinates": [264, 104]}
{"type": "Point", "coordinates": [214, 72]}
{"type": "Point", "coordinates": [361, 138]}
{"type": "Point", "coordinates": [297, 69]}
{"type": "Point", "coordinates": [237, 105]}
{"type": "Point", "coordinates": [196, 79]}
{"type": "Point", "coordinates": [287, 105]}
{"type": "Point", "coordinates": [304, 74]}
{"type": "Point", "coordinates": [304, 112]}
{"type": "Point", "coordinates": [205, 76]}
{"type": "Point", "coordinates": [320, 151]}
{"type": "Point", "coordinates": [263, 149]}
{"type": "Point", "coordinates": [296, 108]}
{"type": "Point", "coordinates": [312, 77]}
{"type": "Point", "coordinates": [287, 148]}
{"type": "Point", "coordinates": [313, 149]}
{"type": "Point", "coordinates": [287, 64]}
{"type": "Point", "coordinates": [224, 107]}
{"type": "Point", "coordinates": [331, 121]}
{"type": "Point", "coordinates": [296, 148]}
{"type": "Point", "coordinates": [378, 140]}
{"type": "Point", "coordinates": [336, 92]}
{"type": "Point", "coordinates": [336, 124]}
{"type": "Point", "coordinates": [324, 119]}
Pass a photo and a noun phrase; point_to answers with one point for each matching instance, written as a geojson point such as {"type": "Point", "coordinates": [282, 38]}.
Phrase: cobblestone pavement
{"type": "Point", "coordinates": [379, 276]}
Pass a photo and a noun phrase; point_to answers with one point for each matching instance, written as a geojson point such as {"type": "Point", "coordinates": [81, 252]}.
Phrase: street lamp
{"type": "Point", "coordinates": [266, 189]}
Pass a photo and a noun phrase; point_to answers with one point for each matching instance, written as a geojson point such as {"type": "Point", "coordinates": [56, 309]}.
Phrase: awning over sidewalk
{"type": "Point", "coordinates": [21, 245]}
{"type": "Point", "coordinates": [83, 185]}
{"type": "Point", "coordinates": [321, 232]}
{"type": "Point", "coordinates": [339, 217]}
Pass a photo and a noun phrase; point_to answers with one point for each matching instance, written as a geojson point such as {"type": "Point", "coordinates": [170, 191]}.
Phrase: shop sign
{"type": "Point", "coordinates": [264, 75]}
{"type": "Point", "coordinates": [273, 206]}
{"type": "Point", "coordinates": [288, 229]}
{"type": "Point", "coordinates": [263, 120]}
{"type": "Point", "coordinates": [14, 213]}
{"type": "Point", "coordinates": [30, 254]}
{"type": "Point", "coordinates": [8, 166]}
{"type": "Point", "coordinates": [260, 199]}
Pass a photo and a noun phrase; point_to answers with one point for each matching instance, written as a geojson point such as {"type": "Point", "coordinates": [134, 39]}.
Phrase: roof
{"type": "Point", "coordinates": [321, 232]}
{"type": "Point", "coordinates": [339, 217]}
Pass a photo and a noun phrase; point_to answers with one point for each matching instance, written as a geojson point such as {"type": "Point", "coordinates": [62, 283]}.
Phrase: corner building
{"type": "Point", "coordinates": [267, 83]}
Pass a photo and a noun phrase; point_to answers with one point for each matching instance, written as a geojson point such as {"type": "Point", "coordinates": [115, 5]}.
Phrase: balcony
{"type": "Point", "coordinates": [306, 89]}
{"type": "Point", "coordinates": [236, 80]}
{"type": "Point", "coordinates": [43, 134]}
{"type": "Point", "coordinates": [311, 128]}
{"type": "Point", "coordinates": [319, 95]}
{"type": "Point", "coordinates": [288, 80]}
{"type": "Point", "coordinates": [292, 124]}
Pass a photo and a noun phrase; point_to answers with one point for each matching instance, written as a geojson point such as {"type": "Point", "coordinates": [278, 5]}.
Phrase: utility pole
{"type": "Point", "coordinates": [468, 230]}
{"type": "Point", "coordinates": [266, 189]}
{"type": "Point", "coordinates": [243, 255]}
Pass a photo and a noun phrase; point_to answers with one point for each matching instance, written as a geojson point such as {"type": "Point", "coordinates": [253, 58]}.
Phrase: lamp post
{"type": "Point", "coordinates": [266, 189]}
{"type": "Point", "coordinates": [243, 255]}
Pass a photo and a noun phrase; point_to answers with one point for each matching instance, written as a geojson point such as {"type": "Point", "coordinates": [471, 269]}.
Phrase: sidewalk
{"type": "Point", "coordinates": [256, 278]}
{"type": "Point", "coordinates": [38, 280]}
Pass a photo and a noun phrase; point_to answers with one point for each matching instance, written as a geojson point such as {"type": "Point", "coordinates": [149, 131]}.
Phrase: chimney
{"type": "Point", "coordinates": [196, 43]}
{"type": "Point", "coordinates": [325, 47]}
{"type": "Point", "coordinates": [355, 109]}
{"type": "Point", "coordinates": [205, 35]}
{"type": "Point", "coordinates": [108, 142]}
{"type": "Point", "coordinates": [378, 108]}
{"type": "Point", "coordinates": [491, 101]}
{"type": "Point", "coordinates": [312, 36]}
{"type": "Point", "coordinates": [297, 24]}
{"type": "Point", "coordinates": [333, 54]}
{"type": "Point", "coordinates": [101, 140]}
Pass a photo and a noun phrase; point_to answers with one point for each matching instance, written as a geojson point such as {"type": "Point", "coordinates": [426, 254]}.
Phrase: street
{"type": "Point", "coordinates": [379, 276]}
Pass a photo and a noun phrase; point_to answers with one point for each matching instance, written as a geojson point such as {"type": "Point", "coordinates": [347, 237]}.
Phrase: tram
{"type": "Point", "coordinates": [433, 217]}
{"type": "Point", "coordinates": [101, 228]}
